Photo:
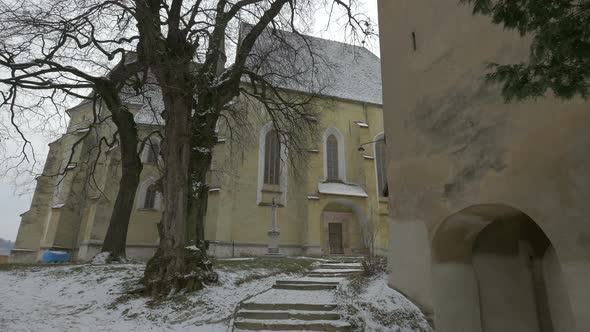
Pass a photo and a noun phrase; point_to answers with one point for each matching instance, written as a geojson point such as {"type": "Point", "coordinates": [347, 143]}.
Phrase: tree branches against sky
{"type": "Point", "coordinates": [11, 188]}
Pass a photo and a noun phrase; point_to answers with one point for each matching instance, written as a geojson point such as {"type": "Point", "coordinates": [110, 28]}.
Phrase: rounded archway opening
{"type": "Point", "coordinates": [498, 271]}
{"type": "Point", "coordinates": [341, 228]}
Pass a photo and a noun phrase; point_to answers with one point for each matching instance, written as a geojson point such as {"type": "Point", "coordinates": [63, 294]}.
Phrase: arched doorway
{"type": "Point", "coordinates": [341, 231]}
{"type": "Point", "coordinates": [494, 270]}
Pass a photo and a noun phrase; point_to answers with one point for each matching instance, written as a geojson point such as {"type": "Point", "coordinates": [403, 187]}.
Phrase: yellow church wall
{"type": "Point", "coordinates": [33, 222]}
{"type": "Point", "coordinates": [237, 222]}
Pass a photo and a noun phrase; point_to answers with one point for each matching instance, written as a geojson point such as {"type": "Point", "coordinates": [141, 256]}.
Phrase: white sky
{"type": "Point", "coordinates": [13, 204]}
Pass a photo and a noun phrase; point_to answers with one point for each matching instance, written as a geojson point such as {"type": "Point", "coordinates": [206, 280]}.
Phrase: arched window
{"type": "Point", "coordinates": [153, 151]}
{"type": "Point", "coordinates": [380, 167]}
{"type": "Point", "coordinates": [149, 202]}
{"type": "Point", "coordinates": [334, 165]}
{"type": "Point", "coordinates": [272, 158]}
{"type": "Point", "coordinates": [332, 158]}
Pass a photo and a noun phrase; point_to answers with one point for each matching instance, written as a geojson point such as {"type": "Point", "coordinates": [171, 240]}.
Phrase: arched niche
{"type": "Point", "coordinates": [494, 269]}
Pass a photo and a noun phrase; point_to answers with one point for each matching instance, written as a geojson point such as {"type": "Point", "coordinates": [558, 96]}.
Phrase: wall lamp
{"type": "Point", "coordinates": [360, 148]}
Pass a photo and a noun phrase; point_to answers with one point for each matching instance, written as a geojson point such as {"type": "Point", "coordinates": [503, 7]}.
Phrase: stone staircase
{"type": "Point", "coordinates": [302, 304]}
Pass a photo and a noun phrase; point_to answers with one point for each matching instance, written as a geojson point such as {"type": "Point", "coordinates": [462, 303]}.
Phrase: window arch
{"type": "Point", "coordinates": [272, 170]}
{"type": "Point", "coordinates": [334, 165]}
{"type": "Point", "coordinates": [272, 158]}
{"type": "Point", "coordinates": [332, 158]}
{"type": "Point", "coordinates": [380, 166]}
{"type": "Point", "coordinates": [151, 151]}
{"type": "Point", "coordinates": [148, 195]}
{"type": "Point", "coordinates": [149, 201]}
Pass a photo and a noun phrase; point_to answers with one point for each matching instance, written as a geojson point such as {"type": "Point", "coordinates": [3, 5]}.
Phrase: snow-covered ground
{"type": "Point", "coordinates": [371, 305]}
{"type": "Point", "coordinates": [91, 297]}
{"type": "Point", "coordinates": [94, 298]}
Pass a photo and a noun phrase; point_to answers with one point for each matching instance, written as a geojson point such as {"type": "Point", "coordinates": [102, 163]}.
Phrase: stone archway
{"type": "Point", "coordinates": [341, 228]}
{"type": "Point", "coordinates": [494, 269]}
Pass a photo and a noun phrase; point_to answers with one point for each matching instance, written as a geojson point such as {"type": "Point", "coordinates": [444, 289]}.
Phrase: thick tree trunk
{"type": "Point", "coordinates": [116, 238]}
{"type": "Point", "coordinates": [177, 151]}
{"type": "Point", "coordinates": [200, 165]}
{"type": "Point", "coordinates": [176, 266]}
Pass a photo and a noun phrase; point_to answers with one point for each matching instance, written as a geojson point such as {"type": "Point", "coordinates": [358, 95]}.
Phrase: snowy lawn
{"type": "Point", "coordinates": [369, 304]}
{"type": "Point", "coordinates": [84, 297]}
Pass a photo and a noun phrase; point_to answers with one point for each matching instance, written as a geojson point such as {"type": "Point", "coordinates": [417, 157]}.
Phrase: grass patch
{"type": "Point", "coordinates": [26, 266]}
{"type": "Point", "coordinates": [256, 276]}
{"type": "Point", "coordinates": [264, 267]}
{"type": "Point", "coordinates": [284, 264]}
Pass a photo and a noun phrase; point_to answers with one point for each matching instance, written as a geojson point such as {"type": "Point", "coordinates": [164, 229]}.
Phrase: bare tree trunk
{"type": "Point", "coordinates": [176, 266]}
{"type": "Point", "coordinates": [176, 150]}
{"type": "Point", "coordinates": [197, 213]}
{"type": "Point", "coordinates": [116, 238]}
{"type": "Point", "coordinates": [200, 165]}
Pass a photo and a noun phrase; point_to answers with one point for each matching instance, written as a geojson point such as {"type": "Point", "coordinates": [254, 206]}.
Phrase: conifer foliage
{"type": "Point", "coordinates": [559, 60]}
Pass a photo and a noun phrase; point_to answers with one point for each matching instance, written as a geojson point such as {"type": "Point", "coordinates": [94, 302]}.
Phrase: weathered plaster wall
{"type": "Point", "coordinates": [455, 144]}
{"type": "Point", "coordinates": [506, 294]}
{"type": "Point", "coordinates": [559, 303]}
{"type": "Point", "coordinates": [234, 217]}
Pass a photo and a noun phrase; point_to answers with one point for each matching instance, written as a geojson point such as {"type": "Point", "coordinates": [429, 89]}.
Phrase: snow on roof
{"type": "Point", "coordinates": [344, 189]}
{"type": "Point", "coordinates": [336, 69]}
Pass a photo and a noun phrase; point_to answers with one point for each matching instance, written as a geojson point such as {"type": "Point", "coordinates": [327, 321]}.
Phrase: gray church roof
{"type": "Point", "coordinates": [336, 69]}
{"type": "Point", "coordinates": [357, 72]}
{"type": "Point", "coordinates": [339, 70]}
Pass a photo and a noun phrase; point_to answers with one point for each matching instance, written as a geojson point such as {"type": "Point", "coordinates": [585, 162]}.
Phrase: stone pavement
{"type": "Point", "coordinates": [301, 304]}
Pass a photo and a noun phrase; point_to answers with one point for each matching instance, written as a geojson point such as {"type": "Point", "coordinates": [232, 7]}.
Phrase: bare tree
{"type": "Point", "coordinates": [183, 43]}
{"type": "Point", "coordinates": [56, 51]}
{"type": "Point", "coordinates": [196, 97]}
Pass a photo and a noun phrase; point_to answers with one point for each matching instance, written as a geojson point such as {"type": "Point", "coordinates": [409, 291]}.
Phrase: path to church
{"type": "Point", "coordinates": [301, 304]}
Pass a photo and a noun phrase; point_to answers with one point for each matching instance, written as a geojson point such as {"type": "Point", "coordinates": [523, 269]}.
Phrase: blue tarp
{"type": "Point", "coordinates": [55, 257]}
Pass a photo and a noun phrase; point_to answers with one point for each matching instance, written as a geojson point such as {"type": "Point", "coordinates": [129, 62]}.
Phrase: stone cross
{"type": "Point", "coordinates": [273, 233]}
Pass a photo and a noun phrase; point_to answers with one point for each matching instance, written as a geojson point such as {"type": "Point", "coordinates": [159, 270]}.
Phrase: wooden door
{"type": "Point", "coordinates": [335, 238]}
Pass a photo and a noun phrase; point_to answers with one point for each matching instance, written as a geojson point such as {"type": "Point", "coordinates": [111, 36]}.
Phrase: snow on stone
{"type": "Point", "coordinates": [201, 149]}
{"type": "Point", "coordinates": [318, 279]}
{"type": "Point", "coordinates": [336, 270]}
{"type": "Point", "coordinates": [100, 258]}
{"type": "Point", "coordinates": [312, 258]}
{"type": "Point", "coordinates": [343, 264]}
{"type": "Point", "coordinates": [295, 322]}
{"type": "Point", "coordinates": [192, 248]}
{"type": "Point", "coordinates": [279, 296]}
{"type": "Point", "coordinates": [344, 189]}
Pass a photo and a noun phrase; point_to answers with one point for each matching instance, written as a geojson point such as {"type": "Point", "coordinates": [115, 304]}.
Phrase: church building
{"type": "Point", "coordinates": [330, 202]}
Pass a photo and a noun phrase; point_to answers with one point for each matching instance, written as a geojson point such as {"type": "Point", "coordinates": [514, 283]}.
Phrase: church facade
{"type": "Point", "coordinates": [330, 202]}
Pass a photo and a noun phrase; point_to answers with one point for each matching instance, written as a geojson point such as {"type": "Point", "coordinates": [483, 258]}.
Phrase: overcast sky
{"type": "Point", "coordinates": [12, 204]}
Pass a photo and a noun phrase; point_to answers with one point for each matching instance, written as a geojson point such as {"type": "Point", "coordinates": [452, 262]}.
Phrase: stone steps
{"type": "Point", "coordinates": [308, 282]}
{"type": "Point", "coordinates": [303, 304]}
{"type": "Point", "coordinates": [340, 266]}
{"type": "Point", "coordinates": [288, 306]}
{"type": "Point", "coordinates": [291, 325]}
{"type": "Point", "coordinates": [343, 259]}
{"type": "Point", "coordinates": [313, 286]}
{"type": "Point", "coordinates": [348, 270]}
{"type": "Point", "coordinates": [288, 314]}
{"type": "Point", "coordinates": [332, 274]}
